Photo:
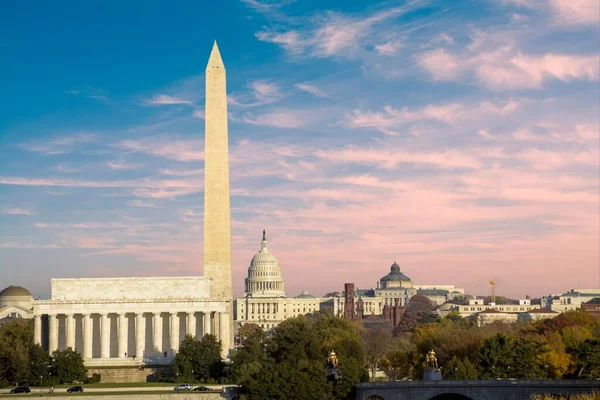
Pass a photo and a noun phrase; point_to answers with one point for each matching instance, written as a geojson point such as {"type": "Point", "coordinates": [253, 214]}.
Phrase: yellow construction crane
{"type": "Point", "coordinates": [493, 283]}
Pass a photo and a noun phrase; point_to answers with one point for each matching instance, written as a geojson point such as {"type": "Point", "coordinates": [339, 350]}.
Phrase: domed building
{"type": "Point", "coordinates": [16, 302]}
{"type": "Point", "coordinates": [395, 279]}
{"type": "Point", "coordinates": [264, 302]}
{"type": "Point", "coordinates": [264, 276]}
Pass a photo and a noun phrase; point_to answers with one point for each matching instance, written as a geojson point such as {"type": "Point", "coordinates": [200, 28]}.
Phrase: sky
{"type": "Point", "coordinates": [457, 138]}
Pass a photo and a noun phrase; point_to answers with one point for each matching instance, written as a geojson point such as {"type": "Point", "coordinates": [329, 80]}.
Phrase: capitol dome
{"type": "Point", "coordinates": [16, 296]}
{"type": "Point", "coordinates": [264, 276]}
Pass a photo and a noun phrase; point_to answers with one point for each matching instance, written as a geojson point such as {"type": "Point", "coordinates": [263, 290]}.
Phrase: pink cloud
{"type": "Point", "coordinates": [502, 66]}
{"type": "Point", "coordinates": [577, 11]}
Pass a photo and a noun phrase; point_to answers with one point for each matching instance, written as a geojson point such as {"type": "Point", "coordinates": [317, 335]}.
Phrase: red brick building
{"type": "Point", "coordinates": [592, 306]}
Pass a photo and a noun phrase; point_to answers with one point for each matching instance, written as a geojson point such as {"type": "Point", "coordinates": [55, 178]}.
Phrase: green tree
{"type": "Point", "coordinates": [458, 368]}
{"type": "Point", "coordinates": [588, 359]}
{"type": "Point", "coordinates": [39, 363]}
{"type": "Point", "coordinates": [249, 358]}
{"type": "Point", "coordinates": [67, 366]}
{"type": "Point", "coordinates": [199, 359]}
{"type": "Point", "coordinates": [186, 359]}
{"type": "Point", "coordinates": [496, 356]}
{"type": "Point", "coordinates": [528, 359]}
{"type": "Point", "coordinates": [292, 365]}
{"type": "Point", "coordinates": [343, 337]}
{"type": "Point", "coordinates": [15, 338]}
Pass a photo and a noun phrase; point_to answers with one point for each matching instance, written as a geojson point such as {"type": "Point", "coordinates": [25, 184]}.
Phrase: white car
{"type": "Point", "coordinates": [183, 386]}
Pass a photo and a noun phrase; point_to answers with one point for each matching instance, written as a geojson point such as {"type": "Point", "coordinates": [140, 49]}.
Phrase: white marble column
{"type": "Point", "coordinates": [53, 333]}
{"type": "Point", "coordinates": [37, 330]}
{"type": "Point", "coordinates": [224, 333]}
{"type": "Point", "coordinates": [174, 334]}
{"type": "Point", "coordinates": [140, 335]}
{"type": "Point", "coordinates": [104, 336]}
{"type": "Point", "coordinates": [70, 325]}
{"type": "Point", "coordinates": [87, 336]}
{"type": "Point", "coordinates": [216, 317]}
{"type": "Point", "coordinates": [191, 323]}
{"type": "Point", "coordinates": [123, 331]}
{"type": "Point", "coordinates": [206, 323]}
{"type": "Point", "coordinates": [157, 340]}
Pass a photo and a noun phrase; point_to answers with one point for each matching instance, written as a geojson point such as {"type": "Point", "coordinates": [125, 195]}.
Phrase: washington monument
{"type": "Point", "coordinates": [217, 220]}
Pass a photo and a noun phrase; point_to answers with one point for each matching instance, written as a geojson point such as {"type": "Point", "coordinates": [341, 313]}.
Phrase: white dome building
{"type": "Point", "coordinates": [16, 302]}
{"type": "Point", "coordinates": [264, 302]}
{"type": "Point", "coordinates": [264, 275]}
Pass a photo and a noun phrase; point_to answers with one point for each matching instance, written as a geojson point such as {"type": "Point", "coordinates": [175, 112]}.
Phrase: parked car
{"type": "Point", "coordinates": [201, 389]}
{"type": "Point", "coordinates": [183, 386]}
{"type": "Point", "coordinates": [75, 389]}
{"type": "Point", "coordinates": [21, 389]}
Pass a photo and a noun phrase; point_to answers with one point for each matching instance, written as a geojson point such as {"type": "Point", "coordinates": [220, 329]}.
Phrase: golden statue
{"type": "Point", "coordinates": [332, 361]}
{"type": "Point", "coordinates": [431, 359]}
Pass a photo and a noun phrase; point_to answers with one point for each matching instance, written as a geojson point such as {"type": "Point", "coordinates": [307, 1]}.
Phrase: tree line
{"type": "Point", "coordinates": [22, 362]}
{"type": "Point", "coordinates": [290, 361]}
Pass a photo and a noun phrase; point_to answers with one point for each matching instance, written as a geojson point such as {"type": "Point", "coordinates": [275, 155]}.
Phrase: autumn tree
{"type": "Point", "coordinates": [397, 361]}
{"type": "Point", "coordinates": [376, 343]}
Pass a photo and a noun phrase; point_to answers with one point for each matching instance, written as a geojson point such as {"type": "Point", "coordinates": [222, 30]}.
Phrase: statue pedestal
{"type": "Point", "coordinates": [432, 374]}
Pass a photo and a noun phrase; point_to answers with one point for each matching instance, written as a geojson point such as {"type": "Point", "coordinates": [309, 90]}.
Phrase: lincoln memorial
{"type": "Point", "coordinates": [128, 317]}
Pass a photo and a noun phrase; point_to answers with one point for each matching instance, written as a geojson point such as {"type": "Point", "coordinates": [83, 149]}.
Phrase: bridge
{"type": "Point", "coordinates": [471, 390]}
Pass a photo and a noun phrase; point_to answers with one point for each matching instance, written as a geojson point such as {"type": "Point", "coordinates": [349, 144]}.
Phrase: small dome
{"type": "Point", "coordinates": [15, 291]}
{"type": "Point", "coordinates": [395, 274]}
{"type": "Point", "coordinates": [305, 295]}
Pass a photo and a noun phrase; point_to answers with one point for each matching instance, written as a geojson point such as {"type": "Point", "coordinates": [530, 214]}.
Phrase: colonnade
{"type": "Point", "coordinates": [256, 286]}
{"type": "Point", "coordinates": [208, 323]}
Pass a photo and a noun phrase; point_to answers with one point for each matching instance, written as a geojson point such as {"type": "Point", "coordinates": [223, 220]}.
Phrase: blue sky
{"type": "Point", "coordinates": [459, 139]}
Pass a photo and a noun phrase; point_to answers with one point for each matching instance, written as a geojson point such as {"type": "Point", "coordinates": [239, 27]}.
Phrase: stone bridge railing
{"type": "Point", "coordinates": [471, 390]}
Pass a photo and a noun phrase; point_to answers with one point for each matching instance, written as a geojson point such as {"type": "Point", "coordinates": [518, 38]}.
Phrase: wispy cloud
{"type": "Point", "coordinates": [278, 119]}
{"type": "Point", "coordinates": [140, 203]}
{"type": "Point", "coordinates": [260, 92]}
{"type": "Point", "coordinates": [506, 67]}
{"type": "Point", "coordinates": [389, 48]}
{"type": "Point", "coordinates": [392, 120]}
{"type": "Point", "coordinates": [312, 89]}
{"type": "Point", "coordinates": [121, 164]}
{"type": "Point", "coordinates": [334, 34]}
{"type": "Point", "coordinates": [17, 211]}
{"type": "Point", "coordinates": [164, 99]}
{"type": "Point", "coordinates": [140, 188]}
{"type": "Point", "coordinates": [90, 92]}
{"type": "Point", "coordinates": [57, 145]}
{"type": "Point", "coordinates": [569, 12]}
{"type": "Point", "coordinates": [66, 168]}
{"type": "Point", "coordinates": [165, 146]}
{"type": "Point", "coordinates": [586, 12]}
{"type": "Point", "coordinates": [387, 159]}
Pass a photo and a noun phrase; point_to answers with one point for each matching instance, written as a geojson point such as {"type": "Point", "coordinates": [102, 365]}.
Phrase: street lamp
{"type": "Point", "coordinates": [41, 389]}
{"type": "Point", "coordinates": [192, 376]}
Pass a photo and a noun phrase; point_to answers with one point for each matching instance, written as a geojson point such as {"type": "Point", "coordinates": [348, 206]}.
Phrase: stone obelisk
{"type": "Point", "coordinates": [217, 220]}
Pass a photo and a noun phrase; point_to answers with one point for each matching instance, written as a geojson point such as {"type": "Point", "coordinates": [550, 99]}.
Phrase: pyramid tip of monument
{"type": "Point", "coordinates": [215, 57]}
